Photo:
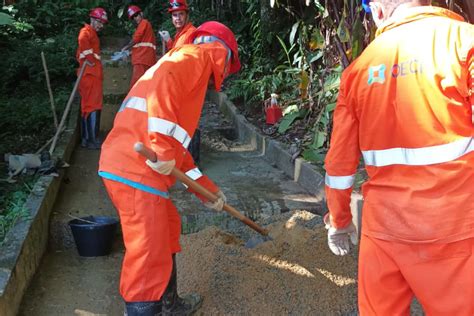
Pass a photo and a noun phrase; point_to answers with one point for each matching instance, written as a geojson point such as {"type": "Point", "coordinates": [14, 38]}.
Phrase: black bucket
{"type": "Point", "coordinates": [96, 238]}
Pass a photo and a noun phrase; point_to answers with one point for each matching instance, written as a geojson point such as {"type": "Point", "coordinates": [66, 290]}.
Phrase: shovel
{"type": "Point", "coordinates": [178, 174]}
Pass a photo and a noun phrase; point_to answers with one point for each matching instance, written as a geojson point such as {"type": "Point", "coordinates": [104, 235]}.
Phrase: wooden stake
{"type": "Point", "coordinates": [51, 98]}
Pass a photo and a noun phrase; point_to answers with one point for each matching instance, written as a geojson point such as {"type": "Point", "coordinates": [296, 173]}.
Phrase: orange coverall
{"type": "Point", "coordinates": [162, 111]}
{"type": "Point", "coordinates": [144, 50]}
{"type": "Point", "coordinates": [405, 105]}
{"type": "Point", "coordinates": [181, 38]}
{"type": "Point", "coordinates": [90, 86]}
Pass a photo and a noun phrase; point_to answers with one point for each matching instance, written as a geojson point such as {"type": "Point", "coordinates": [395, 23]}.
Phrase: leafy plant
{"type": "Point", "coordinates": [13, 209]}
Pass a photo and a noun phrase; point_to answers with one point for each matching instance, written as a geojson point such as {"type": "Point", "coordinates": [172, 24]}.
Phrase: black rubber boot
{"type": "Point", "coordinates": [143, 308]}
{"type": "Point", "coordinates": [93, 131]}
{"type": "Point", "coordinates": [97, 126]}
{"type": "Point", "coordinates": [84, 134]}
{"type": "Point", "coordinates": [175, 305]}
{"type": "Point", "coordinates": [194, 146]}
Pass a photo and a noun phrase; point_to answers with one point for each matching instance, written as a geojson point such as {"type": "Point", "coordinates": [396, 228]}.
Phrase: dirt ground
{"type": "Point", "coordinates": [293, 274]}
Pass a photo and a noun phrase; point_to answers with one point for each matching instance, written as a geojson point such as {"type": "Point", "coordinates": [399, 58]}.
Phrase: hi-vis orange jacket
{"type": "Point", "coordinates": [405, 105]}
{"type": "Point", "coordinates": [89, 49]}
{"type": "Point", "coordinates": [144, 50]}
{"type": "Point", "coordinates": [162, 110]}
{"type": "Point", "coordinates": [181, 38]}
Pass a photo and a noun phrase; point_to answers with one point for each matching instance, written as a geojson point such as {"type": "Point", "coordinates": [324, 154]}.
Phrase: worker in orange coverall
{"type": "Point", "coordinates": [143, 44]}
{"type": "Point", "coordinates": [90, 86]}
{"type": "Point", "coordinates": [405, 105]}
{"type": "Point", "coordinates": [162, 111]}
{"type": "Point", "coordinates": [179, 11]}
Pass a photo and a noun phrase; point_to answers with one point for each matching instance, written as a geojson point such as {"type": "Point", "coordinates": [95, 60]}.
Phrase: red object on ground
{"type": "Point", "coordinates": [273, 114]}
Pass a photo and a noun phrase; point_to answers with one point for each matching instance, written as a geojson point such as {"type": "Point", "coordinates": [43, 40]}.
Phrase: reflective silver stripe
{"type": "Point", "coordinates": [165, 127]}
{"type": "Point", "coordinates": [135, 103]}
{"type": "Point", "coordinates": [156, 124]}
{"type": "Point", "coordinates": [145, 44]}
{"type": "Point", "coordinates": [339, 182]}
{"type": "Point", "coordinates": [86, 52]}
{"type": "Point", "coordinates": [419, 156]}
{"type": "Point", "coordinates": [194, 173]}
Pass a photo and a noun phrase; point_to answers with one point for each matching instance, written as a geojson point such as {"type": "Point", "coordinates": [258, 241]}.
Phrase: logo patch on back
{"type": "Point", "coordinates": [376, 74]}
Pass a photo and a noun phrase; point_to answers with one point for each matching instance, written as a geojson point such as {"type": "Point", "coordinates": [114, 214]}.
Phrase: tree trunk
{"type": "Point", "coordinates": [469, 5]}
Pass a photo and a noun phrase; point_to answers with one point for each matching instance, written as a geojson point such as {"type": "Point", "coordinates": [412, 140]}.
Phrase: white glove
{"type": "Point", "coordinates": [162, 167]}
{"type": "Point", "coordinates": [165, 35]}
{"type": "Point", "coordinates": [338, 238]}
{"type": "Point", "coordinates": [218, 204]}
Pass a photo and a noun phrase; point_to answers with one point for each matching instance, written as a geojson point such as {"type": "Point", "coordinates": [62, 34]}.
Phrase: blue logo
{"type": "Point", "coordinates": [376, 74]}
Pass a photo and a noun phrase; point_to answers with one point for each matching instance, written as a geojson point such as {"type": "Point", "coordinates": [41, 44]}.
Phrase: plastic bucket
{"type": "Point", "coordinates": [94, 239]}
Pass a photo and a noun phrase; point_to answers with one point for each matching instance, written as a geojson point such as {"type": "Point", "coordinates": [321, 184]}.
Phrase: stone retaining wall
{"type": "Point", "coordinates": [277, 153]}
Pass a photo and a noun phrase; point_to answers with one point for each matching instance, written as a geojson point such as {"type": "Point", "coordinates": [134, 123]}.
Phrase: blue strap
{"type": "Point", "coordinates": [133, 184]}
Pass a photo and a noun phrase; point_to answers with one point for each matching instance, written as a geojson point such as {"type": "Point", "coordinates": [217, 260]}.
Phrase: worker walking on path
{"type": "Point", "coordinates": [143, 44]}
{"type": "Point", "coordinates": [162, 111]}
{"type": "Point", "coordinates": [90, 86]}
{"type": "Point", "coordinates": [405, 105]}
{"type": "Point", "coordinates": [179, 11]}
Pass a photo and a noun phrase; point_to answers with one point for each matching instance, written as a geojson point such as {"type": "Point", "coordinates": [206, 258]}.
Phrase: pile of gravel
{"type": "Point", "coordinates": [295, 273]}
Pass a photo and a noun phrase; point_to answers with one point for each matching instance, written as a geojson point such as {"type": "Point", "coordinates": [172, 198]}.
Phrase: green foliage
{"type": "Point", "coordinates": [5, 19]}
{"type": "Point", "coordinates": [292, 114]}
{"type": "Point", "coordinates": [12, 206]}
{"type": "Point", "coordinates": [22, 66]}
{"type": "Point", "coordinates": [26, 120]}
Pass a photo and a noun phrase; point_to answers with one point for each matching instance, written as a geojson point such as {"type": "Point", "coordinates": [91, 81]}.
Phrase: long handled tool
{"type": "Point", "coordinates": [51, 98]}
{"type": "Point", "coordinates": [149, 154]}
{"type": "Point", "coordinates": [68, 106]}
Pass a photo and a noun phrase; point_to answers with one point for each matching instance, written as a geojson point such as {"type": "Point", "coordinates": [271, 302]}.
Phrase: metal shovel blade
{"type": "Point", "coordinates": [256, 240]}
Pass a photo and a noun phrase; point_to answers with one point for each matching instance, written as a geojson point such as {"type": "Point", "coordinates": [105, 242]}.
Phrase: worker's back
{"type": "Point", "coordinates": [406, 101]}
{"type": "Point", "coordinates": [162, 111]}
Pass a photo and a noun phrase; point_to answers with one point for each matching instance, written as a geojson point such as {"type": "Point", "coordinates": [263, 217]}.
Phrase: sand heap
{"type": "Point", "coordinates": [293, 274]}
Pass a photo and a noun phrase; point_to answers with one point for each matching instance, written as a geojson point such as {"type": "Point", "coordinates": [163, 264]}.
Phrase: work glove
{"type": "Point", "coordinates": [162, 167]}
{"type": "Point", "coordinates": [218, 204]}
{"type": "Point", "coordinates": [338, 238]}
{"type": "Point", "coordinates": [165, 35]}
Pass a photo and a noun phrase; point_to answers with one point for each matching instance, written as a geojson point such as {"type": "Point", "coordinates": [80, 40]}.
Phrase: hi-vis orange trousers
{"type": "Point", "coordinates": [137, 72]}
{"type": "Point", "coordinates": [151, 227]}
{"type": "Point", "coordinates": [90, 90]}
{"type": "Point", "coordinates": [441, 276]}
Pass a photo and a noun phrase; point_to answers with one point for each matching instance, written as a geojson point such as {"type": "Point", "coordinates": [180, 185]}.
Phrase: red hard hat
{"type": "Point", "coordinates": [177, 5]}
{"type": "Point", "coordinates": [99, 14]}
{"type": "Point", "coordinates": [132, 10]}
{"type": "Point", "coordinates": [223, 33]}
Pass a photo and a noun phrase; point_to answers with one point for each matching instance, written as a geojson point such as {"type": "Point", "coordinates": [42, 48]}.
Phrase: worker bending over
{"type": "Point", "coordinates": [162, 111]}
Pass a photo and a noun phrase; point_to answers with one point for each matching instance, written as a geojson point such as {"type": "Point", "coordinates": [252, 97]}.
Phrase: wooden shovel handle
{"type": "Point", "coordinates": [181, 176]}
